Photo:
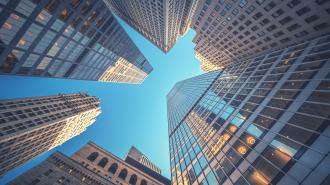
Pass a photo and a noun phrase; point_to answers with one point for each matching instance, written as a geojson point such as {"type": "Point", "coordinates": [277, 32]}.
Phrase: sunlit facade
{"type": "Point", "coordinates": [32, 126]}
{"type": "Point", "coordinates": [231, 30]}
{"type": "Point", "coordinates": [136, 155]}
{"type": "Point", "coordinates": [91, 165]}
{"type": "Point", "coordinates": [74, 39]}
{"type": "Point", "coordinates": [124, 72]}
{"type": "Point", "coordinates": [160, 21]}
{"type": "Point", "coordinates": [262, 121]}
{"type": "Point", "coordinates": [206, 65]}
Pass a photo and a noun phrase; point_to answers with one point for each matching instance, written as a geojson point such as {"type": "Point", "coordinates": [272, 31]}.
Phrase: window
{"type": "Point", "coordinates": [303, 10]}
{"type": "Point", "coordinates": [133, 179]}
{"type": "Point", "coordinates": [10, 28]}
{"type": "Point", "coordinates": [103, 162]}
{"type": "Point", "coordinates": [52, 5]}
{"type": "Point", "coordinates": [143, 182]}
{"type": "Point", "coordinates": [285, 20]}
{"type": "Point", "coordinates": [197, 168]}
{"type": "Point", "coordinates": [48, 172]}
{"type": "Point", "coordinates": [93, 156]}
{"type": "Point", "coordinates": [34, 182]}
{"type": "Point", "coordinates": [113, 168]}
{"type": "Point", "coordinates": [264, 170]}
{"type": "Point", "coordinates": [211, 178]}
{"type": "Point", "coordinates": [123, 174]}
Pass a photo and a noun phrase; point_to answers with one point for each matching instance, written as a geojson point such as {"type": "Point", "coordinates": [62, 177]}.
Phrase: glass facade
{"type": "Point", "coordinates": [263, 120]}
{"type": "Point", "coordinates": [160, 21]}
{"type": "Point", "coordinates": [76, 39]}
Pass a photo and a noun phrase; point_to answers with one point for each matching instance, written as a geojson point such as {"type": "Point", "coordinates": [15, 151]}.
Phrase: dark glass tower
{"type": "Point", "coordinates": [159, 21]}
{"type": "Point", "coordinates": [264, 120]}
{"type": "Point", "coordinates": [74, 39]}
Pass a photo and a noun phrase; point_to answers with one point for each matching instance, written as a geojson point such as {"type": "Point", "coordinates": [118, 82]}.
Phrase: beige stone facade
{"type": "Point", "coordinates": [229, 31]}
{"type": "Point", "coordinates": [123, 72]}
{"type": "Point", "coordinates": [111, 167]}
{"type": "Point", "coordinates": [90, 165]}
{"type": "Point", "coordinates": [60, 169]}
{"type": "Point", "coordinates": [32, 126]}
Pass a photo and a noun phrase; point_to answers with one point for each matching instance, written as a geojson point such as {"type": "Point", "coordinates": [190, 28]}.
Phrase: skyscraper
{"type": "Point", "coordinates": [263, 120]}
{"type": "Point", "coordinates": [31, 126]}
{"type": "Point", "coordinates": [160, 21]}
{"type": "Point", "coordinates": [229, 31]}
{"type": "Point", "coordinates": [90, 165]}
{"type": "Point", "coordinates": [67, 39]}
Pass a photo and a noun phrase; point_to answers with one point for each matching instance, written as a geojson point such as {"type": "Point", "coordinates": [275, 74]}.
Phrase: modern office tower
{"type": "Point", "coordinates": [263, 120]}
{"type": "Point", "coordinates": [31, 126]}
{"type": "Point", "coordinates": [229, 31]}
{"type": "Point", "coordinates": [160, 21]}
{"type": "Point", "coordinates": [90, 165]}
{"type": "Point", "coordinates": [76, 39]}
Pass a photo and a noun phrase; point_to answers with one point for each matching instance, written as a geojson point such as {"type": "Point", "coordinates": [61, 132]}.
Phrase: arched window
{"type": "Point", "coordinates": [113, 168]}
{"type": "Point", "coordinates": [103, 162]}
{"type": "Point", "coordinates": [133, 179]}
{"type": "Point", "coordinates": [144, 182]}
{"type": "Point", "coordinates": [123, 174]}
{"type": "Point", "coordinates": [93, 156]}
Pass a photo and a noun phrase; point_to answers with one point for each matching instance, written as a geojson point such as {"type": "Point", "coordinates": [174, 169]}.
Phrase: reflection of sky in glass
{"type": "Point", "coordinates": [230, 109]}
{"type": "Point", "coordinates": [283, 147]}
{"type": "Point", "coordinates": [252, 129]}
{"type": "Point", "coordinates": [237, 121]}
{"type": "Point", "coordinates": [225, 115]}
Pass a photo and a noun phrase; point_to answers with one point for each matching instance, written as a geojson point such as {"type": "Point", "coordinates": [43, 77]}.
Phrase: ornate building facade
{"type": "Point", "coordinates": [90, 165]}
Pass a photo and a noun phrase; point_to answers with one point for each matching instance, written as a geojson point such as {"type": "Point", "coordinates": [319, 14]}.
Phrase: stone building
{"type": "Point", "coordinates": [32, 126]}
{"type": "Point", "coordinates": [231, 30]}
{"type": "Point", "coordinates": [90, 165]}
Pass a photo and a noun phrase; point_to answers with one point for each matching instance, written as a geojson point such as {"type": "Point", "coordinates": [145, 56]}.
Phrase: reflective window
{"type": "Point", "coordinates": [57, 46]}
{"type": "Point", "coordinates": [29, 36]}
{"type": "Point", "coordinates": [44, 63]}
{"type": "Point", "coordinates": [44, 42]}
{"type": "Point", "coordinates": [25, 7]}
{"type": "Point", "coordinates": [10, 28]}
{"type": "Point", "coordinates": [31, 60]}
{"type": "Point", "coordinates": [197, 168]}
{"type": "Point", "coordinates": [43, 17]}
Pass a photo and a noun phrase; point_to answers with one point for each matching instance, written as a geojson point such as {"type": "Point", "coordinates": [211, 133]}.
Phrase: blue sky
{"type": "Point", "coordinates": [131, 114]}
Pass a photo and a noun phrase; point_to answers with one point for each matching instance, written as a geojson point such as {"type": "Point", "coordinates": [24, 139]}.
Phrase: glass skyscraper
{"type": "Point", "coordinates": [74, 39]}
{"type": "Point", "coordinates": [160, 21]}
{"type": "Point", "coordinates": [263, 120]}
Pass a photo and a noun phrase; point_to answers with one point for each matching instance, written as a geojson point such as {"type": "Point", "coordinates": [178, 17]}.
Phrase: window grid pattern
{"type": "Point", "coordinates": [228, 31]}
{"type": "Point", "coordinates": [254, 125]}
{"type": "Point", "coordinates": [75, 40]}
